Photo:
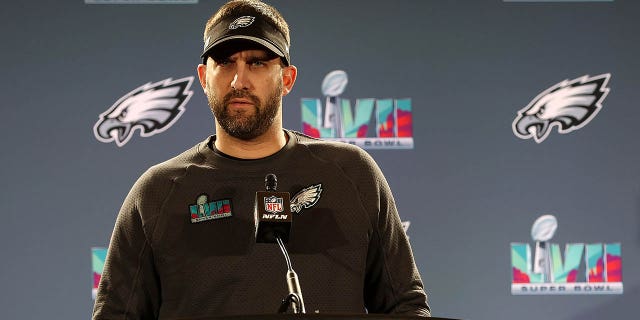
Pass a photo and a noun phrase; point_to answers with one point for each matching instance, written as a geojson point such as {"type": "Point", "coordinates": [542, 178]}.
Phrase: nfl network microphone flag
{"type": "Point", "coordinates": [273, 215]}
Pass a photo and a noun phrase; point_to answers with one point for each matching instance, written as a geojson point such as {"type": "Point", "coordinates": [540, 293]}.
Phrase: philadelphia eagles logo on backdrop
{"type": "Point", "coordinates": [568, 105]}
{"type": "Point", "coordinates": [306, 198]}
{"type": "Point", "coordinates": [151, 108]}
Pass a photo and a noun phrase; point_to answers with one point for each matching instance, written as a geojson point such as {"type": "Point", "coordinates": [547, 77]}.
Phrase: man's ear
{"type": "Point", "coordinates": [202, 75]}
{"type": "Point", "coordinates": [289, 75]}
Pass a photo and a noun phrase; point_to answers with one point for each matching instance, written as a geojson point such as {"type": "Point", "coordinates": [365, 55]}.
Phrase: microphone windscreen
{"type": "Point", "coordinates": [270, 182]}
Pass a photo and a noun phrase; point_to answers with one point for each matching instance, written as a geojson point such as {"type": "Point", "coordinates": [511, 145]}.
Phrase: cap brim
{"type": "Point", "coordinates": [269, 46]}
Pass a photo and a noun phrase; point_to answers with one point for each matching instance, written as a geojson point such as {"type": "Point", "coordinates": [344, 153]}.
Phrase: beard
{"type": "Point", "coordinates": [241, 124]}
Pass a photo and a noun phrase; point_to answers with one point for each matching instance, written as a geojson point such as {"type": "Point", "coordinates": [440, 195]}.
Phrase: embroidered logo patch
{"type": "Point", "coordinates": [306, 198]}
{"type": "Point", "coordinates": [204, 210]}
{"type": "Point", "coordinates": [241, 22]}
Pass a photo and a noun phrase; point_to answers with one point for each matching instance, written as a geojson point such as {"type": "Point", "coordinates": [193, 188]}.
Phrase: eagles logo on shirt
{"type": "Point", "coordinates": [306, 198]}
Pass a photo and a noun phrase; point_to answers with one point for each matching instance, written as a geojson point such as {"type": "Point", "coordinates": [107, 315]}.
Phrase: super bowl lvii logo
{"type": "Point", "coordinates": [338, 121]}
{"type": "Point", "coordinates": [548, 273]}
{"type": "Point", "coordinates": [98, 255]}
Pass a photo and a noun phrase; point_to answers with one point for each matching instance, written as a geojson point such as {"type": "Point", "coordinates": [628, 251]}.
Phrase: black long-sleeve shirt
{"type": "Point", "coordinates": [184, 240]}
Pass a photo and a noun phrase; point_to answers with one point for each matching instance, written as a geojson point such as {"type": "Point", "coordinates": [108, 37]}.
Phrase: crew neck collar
{"type": "Point", "coordinates": [212, 155]}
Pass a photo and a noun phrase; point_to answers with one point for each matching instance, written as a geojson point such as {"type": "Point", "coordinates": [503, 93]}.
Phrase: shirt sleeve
{"type": "Point", "coordinates": [392, 283]}
{"type": "Point", "coordinates": [129, 286]}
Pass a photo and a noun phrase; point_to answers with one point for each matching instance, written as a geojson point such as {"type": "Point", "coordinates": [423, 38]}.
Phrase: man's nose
{"type": "Point", "coordinates": [240, 80]}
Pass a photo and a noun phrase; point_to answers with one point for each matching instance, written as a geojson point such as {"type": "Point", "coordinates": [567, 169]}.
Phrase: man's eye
{"type": "Point", "coordinates": [224, 62]}
{"type": "Point", "coordinates": [257, 63]}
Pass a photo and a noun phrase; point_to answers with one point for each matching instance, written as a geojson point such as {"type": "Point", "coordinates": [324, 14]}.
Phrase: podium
{"type": "Point", "coordinates": [318, 316]}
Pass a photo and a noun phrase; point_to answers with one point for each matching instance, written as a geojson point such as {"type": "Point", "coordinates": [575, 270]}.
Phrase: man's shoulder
{"type": "Point", "coordinates": [340, 153]}
{"type": "Point", "coordinates": [327, 146]}
{"type": "Point", "coordinates": [174, 167]}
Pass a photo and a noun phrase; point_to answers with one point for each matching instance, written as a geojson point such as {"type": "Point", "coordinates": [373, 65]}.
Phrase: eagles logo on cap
{"type": "Point", "coordinates": [241, 22]}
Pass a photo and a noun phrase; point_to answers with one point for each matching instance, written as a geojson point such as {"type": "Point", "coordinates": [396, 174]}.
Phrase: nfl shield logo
{"type": "Point", "coordinates": [273, 204]}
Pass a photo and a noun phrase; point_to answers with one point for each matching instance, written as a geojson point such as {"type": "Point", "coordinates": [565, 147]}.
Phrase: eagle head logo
{"type": "Point", "coordinates": [306, 198]}
{"type": "Point", "coordinates": [241, 22]}
{"type": "Point", "coordinates": [568, 105]}
{"type": "Point", "coordinates": [151, 108]}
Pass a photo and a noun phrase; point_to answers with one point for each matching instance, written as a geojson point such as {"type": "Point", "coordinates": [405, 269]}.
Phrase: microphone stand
{"type": "Point", "coordinates": [294, 298]}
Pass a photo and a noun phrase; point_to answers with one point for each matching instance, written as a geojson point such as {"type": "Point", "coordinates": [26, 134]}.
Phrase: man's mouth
{"type": "Point", "coordinates": [241, 101]}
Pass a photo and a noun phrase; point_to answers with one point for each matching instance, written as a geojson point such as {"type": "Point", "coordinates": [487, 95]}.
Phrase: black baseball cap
{"type": "Point", "coordinates": [247, 26]}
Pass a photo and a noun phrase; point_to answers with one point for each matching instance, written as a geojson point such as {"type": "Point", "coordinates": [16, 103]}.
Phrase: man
{"type": "Point", "coordinates": [184, 244]}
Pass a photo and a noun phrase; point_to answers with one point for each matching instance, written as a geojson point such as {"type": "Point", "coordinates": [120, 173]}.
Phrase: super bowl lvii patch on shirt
{"type": "Point", "coordinates": [204, 210]}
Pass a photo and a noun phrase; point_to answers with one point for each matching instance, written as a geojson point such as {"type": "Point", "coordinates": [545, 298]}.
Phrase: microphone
{"type": "Point", "coordinates": [273, 213]}
{"type": "Point", "coordinates": [273, 216]}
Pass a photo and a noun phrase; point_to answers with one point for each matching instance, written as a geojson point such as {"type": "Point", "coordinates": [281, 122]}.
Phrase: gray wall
{"type": "Point", "coordinates": [470, 187]}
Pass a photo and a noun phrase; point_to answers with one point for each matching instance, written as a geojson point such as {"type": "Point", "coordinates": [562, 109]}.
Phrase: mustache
{"type": "Point", "coordinates": [240, 94]}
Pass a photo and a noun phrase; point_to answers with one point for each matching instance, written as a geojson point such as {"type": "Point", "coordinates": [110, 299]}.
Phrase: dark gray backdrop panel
{"type": "Point", "coordinates": [469, 188]}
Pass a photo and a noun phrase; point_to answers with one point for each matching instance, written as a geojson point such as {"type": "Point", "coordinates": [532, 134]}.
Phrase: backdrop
{"type": "Point", "coordinates": [515, 110]}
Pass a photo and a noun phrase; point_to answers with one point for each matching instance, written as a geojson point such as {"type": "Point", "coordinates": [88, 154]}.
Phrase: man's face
{"type": "Point", "coordinates": [244, 92]}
